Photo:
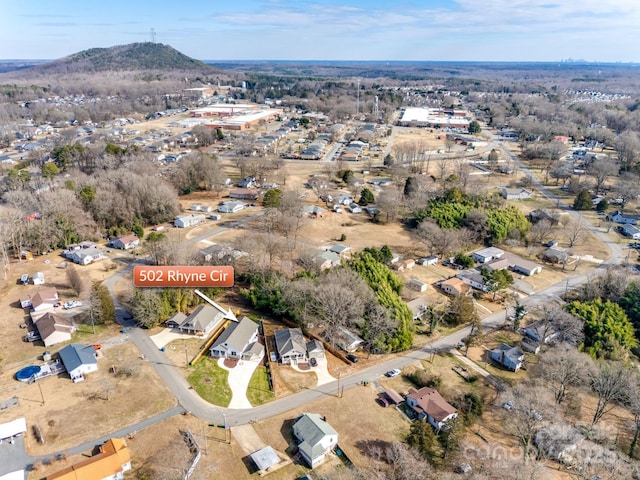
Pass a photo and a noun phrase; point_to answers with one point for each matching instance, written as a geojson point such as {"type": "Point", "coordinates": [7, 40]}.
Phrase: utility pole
{"type": "Point", "coordinates": [186, 355]}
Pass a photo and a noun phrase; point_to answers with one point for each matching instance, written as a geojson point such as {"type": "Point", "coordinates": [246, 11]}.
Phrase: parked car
{"type": "Point", "coordinates": [352, 358]}
{"type": "Point", "coordinates": [71, 304]}
{"type": "Point", "coordinates": [393, 373]}
{"type": "Point", "coordinates": [313, 362]}
{"type": "Point", "coordinates": [382, 402]}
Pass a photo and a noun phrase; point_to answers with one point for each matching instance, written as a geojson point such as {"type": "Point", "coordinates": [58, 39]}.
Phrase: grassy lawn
{"type": "Point", "coordinates": [210, 381]}
{"type": "Point", "coordinates": [258, 391]}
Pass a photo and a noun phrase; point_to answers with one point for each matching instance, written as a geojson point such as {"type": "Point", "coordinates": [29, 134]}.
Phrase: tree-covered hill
{"type": "Point", "coordinates": [131, 57]}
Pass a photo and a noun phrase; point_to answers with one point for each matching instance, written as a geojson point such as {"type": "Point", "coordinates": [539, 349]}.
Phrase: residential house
{"type": "Point", "coordinates": [515, 193]}
{"type": "Point", "coordinates": [327, 259]}
{"type": "Point", "coordinates": [508, 357]}
{"type": "Point", "coordinates": [355, 208]}
{"type": "Point", "coordinates": [202, 321]}
{"type": "Point", "coordinates": [231, 207]}
{"type": "Point", "coordinates": [54, 329]}
{"type": "Point", "coordinates": [487, 254]}
{"type": "Point", "coordinates": [345, 200]}
{"type": "Point", "coordinates": [190, 220]}
{"type": "Point", "coordinates": [85, 256]}
{"type": "Point", "coordinates": [244, 194]}
{"type": "Point", "coordinates": [79, 360]}
{"type": "Point", "coordinates": [538, 214]}
{"type": "Point", "coordinates": [221, 252]}
{"type": "Point", "coordinates": [407, 264]}
{"type": "Point", "coordinates": [630, 231]}
{"type": "Point", "coordinates": [315, 349]}
{"type": "Point", "coordinates": [555, 255]}
{"type": "Point", "coordinates": [247, 182]}
{"type": "Point", "coordinates": [175, 320]}
{"type": "Point", "coordinates": [540, 332]}
{"type": "Point", "coordinates": [291, 346]}
{"type": "Point", "coordinates": [430, 260]}
{"type": "Point", "coordinates": [109, 464]}
{"type": "Point", "coordinates": [497, 264]}
{"type": "Point", "coordinates": [341, 250]}
{"type": "Point", "coordinates": [314, 211]}
{"type": "Point", "coordinates": [473, 279]}
{"type": "Point", "coordinates": [317, 438]}
{"type": "Point", "coordinates": [418, 285]}
{"type": "Point", "coordinates": [38, 278]}
{"type": "Point", "coordinates": [418, 307]}
{"type": "Point", "coordinates": [43, 300]}
{"type": "Point", "coordinates": [125, 242]}
{"type": "Point", "coordinates": [429, 405]}
{"type": "Point", "coordinates": [520, 265]}
{"type": "Point", "coordinates": [620, 217]}
{"type": "Point", "coordinates": [347, 340]}
{"type": "Point", "coordinates": [454, 286]}
{"type": "Point", "coordinates": [236, 340]}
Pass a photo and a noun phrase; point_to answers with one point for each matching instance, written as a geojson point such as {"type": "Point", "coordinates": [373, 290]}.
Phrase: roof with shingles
{"type": "Point", "coordinates": [237, 335]}
{"type": "Point", "coordinates": [290, 340]}
{"type": "Point", "coordinates": [311, 429]}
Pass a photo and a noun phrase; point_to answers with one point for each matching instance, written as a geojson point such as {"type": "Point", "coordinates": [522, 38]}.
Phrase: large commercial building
{"type": "Point", "coordinates": [435, 118]}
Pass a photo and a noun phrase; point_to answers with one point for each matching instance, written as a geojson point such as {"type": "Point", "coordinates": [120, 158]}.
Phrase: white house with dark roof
{"type": "Point", "coordinates": [291, 346]}
{"type": "Point", "coordinates": [317, 438]}
{"type": "Point", "coordinates": [79, 360]}
{"type": "Point", "coordinates": [628, 230]}
{"type": "Point", "coordinates": [202, 320]}
{"type": "Point", "coordinates": [85, 256]}
{"type": "Point", "coordinates": [236, 340]}
{"type": "Point", "coordinates": [473, 279]}
{"type": "Point", "coordinates": [508, 357]}
{"type": "Point", "coordinates": [620, 217]}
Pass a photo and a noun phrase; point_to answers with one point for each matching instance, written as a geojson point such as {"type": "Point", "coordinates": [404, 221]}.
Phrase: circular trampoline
{"type": "Point", "coordinates": [27, 372]}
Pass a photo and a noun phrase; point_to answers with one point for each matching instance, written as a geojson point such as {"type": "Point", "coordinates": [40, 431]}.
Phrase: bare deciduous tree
{"type": "Point", "coordinates": [611, 382]}
{"type": "Point", "coordinates": [564, 367]}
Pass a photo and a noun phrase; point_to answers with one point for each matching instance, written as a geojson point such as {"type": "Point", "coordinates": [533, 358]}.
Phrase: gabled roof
{"type": "Point", "coordinates": [46, 295]}
{"type": "Point", "coordinates": [290, 340]}
{"type": "Point", "coordinates": [201, 318]}
{"type": "Point", "coordinates": [177, 318]}
{"type": "Point", "coordinates": [315, 346]}
{"type": "Point", "coordinates": [113, 455]}
{"type": "Point", "coordinates": [512, 353]}
{"type": "Point", "coordinates": [237, 335]}
{"type": "Point", "coordinates": [76, 354]}
{"type": "Point", "coordinates": [311, 429]}
{"type": "Point", "coordinates": [125, 239]}
{"type": "Point", "coordinates": [339, 249]}
{"type": "Point", "coordinates": [456, 284]}
{"type": "Point", "coordinates": [50, 323]}
{"type": "Point", "coordinates": [489, 252]}
{"type": "Point", "coordinates": [432, 403]}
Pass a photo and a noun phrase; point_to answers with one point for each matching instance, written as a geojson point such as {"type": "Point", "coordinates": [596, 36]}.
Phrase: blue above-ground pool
{"type": "Point", "coordinates": [27, 372]}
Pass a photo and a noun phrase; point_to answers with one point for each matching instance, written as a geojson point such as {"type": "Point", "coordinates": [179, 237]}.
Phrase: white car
{"type": "Point", "coordinates": [393, 373]}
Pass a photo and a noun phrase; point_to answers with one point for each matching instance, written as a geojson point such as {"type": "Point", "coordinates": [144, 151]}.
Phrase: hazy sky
{"type": "Point", "coordinates": [512, 30]}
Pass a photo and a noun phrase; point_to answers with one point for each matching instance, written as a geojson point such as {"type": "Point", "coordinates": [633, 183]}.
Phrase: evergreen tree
{"type": "Point", "coordinates": [583, 201]}
{"type": "Point", "coordinates": [366, 197]}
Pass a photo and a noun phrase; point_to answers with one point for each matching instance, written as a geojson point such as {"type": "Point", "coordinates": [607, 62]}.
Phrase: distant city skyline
{"type": "Point", "coordinates": [418, 30]}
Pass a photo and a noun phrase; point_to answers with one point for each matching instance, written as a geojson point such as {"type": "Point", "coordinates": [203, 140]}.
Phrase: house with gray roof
{"type": "Point", "coordinates": [473, 279]}
{"type": "Point", "coordinates": [327, 259]}
{"type": "Point", "coordinates": [315, 349]}
{"type": "Point", "coordinates": [291, 346]}
{"type": "Point", "coordinates": [79, 360]}
{"type": "Point", "coordinates": [487, 254]}
{"type": "Point", "coordinates": [317, 438]}
{"type": "Point", "coordinates": [202, 321]}
{"type": "Point", "coordinates": [236, 340]}
{"type": "Point", "coordinates": [508, 357]}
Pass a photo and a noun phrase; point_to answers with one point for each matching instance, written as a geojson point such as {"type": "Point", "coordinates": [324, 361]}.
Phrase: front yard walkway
{"type": "Point", "coordinates": [239, 378]}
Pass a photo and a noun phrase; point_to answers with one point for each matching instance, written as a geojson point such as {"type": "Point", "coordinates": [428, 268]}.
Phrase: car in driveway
{"type": "Point", "coordinates": [352, 358]}
{"type": "Point", "coordinates": [393, 373]}
{"type": "Point", "coordinates": [313, 362]}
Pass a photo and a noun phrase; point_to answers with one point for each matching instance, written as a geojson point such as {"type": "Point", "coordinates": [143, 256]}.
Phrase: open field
{"type": "Point", "coordinates": [106, 400]}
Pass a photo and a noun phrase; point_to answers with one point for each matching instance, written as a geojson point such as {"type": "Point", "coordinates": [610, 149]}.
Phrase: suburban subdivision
{"type": "Point", "coordinates": [318, 270]}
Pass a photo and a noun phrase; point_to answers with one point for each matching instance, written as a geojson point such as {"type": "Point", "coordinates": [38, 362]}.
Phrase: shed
{"type": "Point", "coordinates": [38, 278]}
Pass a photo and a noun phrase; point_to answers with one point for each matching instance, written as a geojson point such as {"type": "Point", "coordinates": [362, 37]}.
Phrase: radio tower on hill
{"type": "Point", "coordinates": [153, 35]}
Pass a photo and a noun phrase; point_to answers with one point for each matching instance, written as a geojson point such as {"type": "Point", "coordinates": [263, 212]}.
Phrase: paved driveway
{"type": "Point", "coordinates": [321, 371]}
{"type": "Point", "coordinates": [13, 456]}
{"type": "Point", "coordinates": [239, 377]}
{"type": "Point", "coordinates": [168, 335]}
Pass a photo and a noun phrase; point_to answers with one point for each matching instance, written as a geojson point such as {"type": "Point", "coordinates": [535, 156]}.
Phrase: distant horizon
{"type": "Point", "coordinates": [599, 31]}
{"type": "Point", "coordinates": [568, 61]}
